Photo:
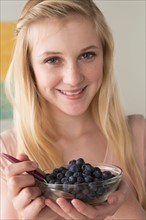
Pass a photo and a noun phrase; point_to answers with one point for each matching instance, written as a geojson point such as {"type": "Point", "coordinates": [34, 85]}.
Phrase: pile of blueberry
{"type": "Point", "coordinates": [81, 179]}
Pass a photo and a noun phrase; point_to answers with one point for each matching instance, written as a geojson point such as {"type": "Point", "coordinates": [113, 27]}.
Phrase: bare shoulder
{"type": "Point", "coordinates": [7, 145]}
{"type": "Point", "coordinates": [7, 135]}
{"type": "Point", "coordinates": [136, 119]}
{"type": "Point", "coordinates": [8, 141]}
{"type": "Point", "coordinates": [137, 125]}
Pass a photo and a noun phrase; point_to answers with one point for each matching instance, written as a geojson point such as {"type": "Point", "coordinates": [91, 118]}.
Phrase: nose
{"type": "Point", "coordinates": [72, 74]}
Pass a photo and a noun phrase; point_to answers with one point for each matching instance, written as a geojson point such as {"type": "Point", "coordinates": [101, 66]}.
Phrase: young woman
{"type": "Point", "coordinates": [66, 106]}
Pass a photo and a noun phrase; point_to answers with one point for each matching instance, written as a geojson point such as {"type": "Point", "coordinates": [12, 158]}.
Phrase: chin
{"type": "Point", "coordinates": [75, 112]}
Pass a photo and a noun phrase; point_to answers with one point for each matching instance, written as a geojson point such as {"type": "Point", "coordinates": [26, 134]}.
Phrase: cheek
{"type": "Point", "coordinates": [45, 78]}
{"type": "Point", "coordinates": [95, 74]}
{"type": "Point", "coordinates": [46, 81]}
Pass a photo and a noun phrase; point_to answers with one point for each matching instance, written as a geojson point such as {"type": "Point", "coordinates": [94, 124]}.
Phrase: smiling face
{"type": "Point", "coordinates": [67, 60]}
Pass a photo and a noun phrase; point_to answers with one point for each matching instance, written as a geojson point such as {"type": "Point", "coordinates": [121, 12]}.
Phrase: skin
{"type": "Point", "coordinates": [29, 203]}
{"type": "Point", "coordinates": [67, 58]}
{"type": "Point", "coordinates": [68, 76]}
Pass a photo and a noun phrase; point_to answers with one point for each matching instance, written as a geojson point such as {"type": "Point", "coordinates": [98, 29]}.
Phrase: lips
{"type": "Point", "coordinates": [72, 92]}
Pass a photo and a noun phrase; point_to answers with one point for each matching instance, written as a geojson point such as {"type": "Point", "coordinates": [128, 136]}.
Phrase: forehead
{"type": "Point", "coordinates": [73, 29]}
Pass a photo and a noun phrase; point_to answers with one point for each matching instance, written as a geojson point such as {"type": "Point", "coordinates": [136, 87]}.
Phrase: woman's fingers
{"type": "Point", "coordinates": [24, 166]}
{"type": "Point", "coordinates": [115, 200]}
{"type": "Point", "coordinates": [56, 208]}
{"type": "Point", "coordinates": [80, 210]}
{"type": "Point", "coordinates": [122, 194]}
{"type": "Point", "coordinates": [87, 210]}
{"type": "Point", "coordinates": [23, 157]}
{"type": "Point", "coordinates": [25, 197]}
{"type": "Point", "coordinates": [33, 210]}
{"type": "Point", "coordinates": [69, 209]}
{"type": "Point", "coordinates": [16, 183]}
{"type": "Point", "coordinates": [95, 212]}
{"type": "Point", "coordinates": [64, 209]}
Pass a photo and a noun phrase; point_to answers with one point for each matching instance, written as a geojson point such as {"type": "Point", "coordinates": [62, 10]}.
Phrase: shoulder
{"type": "Point", "coordinates": [8, 141]}
{"type": "Point", "coordinates": [8, 144]}
{"type": "Point", "coordinates": [136, 121]}
{"type": "Point", "coordinates": [137, 128]}
{"type": "Point", "coordinates": [137, 125]}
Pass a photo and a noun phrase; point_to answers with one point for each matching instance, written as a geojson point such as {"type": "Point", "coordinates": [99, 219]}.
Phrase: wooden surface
{"type": "Point", "coordinates": [6, 46]}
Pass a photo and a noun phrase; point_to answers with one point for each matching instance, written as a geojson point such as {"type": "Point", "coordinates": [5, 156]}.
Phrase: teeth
{"type": "Point", "coordinates": [71, 93]}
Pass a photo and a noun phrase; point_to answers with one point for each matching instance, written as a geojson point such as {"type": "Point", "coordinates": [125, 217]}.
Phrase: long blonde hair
{"type": "Point", "coordinates": [35, 132]}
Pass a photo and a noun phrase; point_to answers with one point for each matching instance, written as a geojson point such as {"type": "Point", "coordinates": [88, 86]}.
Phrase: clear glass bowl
{"type": "Point", "coordinates": [91, 193]}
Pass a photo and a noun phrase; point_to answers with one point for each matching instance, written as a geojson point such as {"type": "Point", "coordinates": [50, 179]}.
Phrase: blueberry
{"type": "Point", "coordinates": [62, 169]}
{"type": "Point", "coordinates": [80, 162]}
{"type": "Point", "coordinates": [91, 195]}
{"type": "Point", "coordinates": [60, 176]}
{"type": "Point", "coordinates": [78, 168]}
{"type": "Point", "coordinates": [93, 186]}
{"type": "Point", "coordinates": [77, 189]}
{"type": "Point", "coordinates": [77, 174]}
{"type": "Point", "coordinates": [80, 179]}
{"type": "Point", "coordinates": [98, 169]}
{"type": "Point", "coordinates": [65, 187]}
{"type": "Point", "coordinates": [64, 180]}
{"type": "Point", "coordinates": [100, 191]}
{"type": "Point", "coordinates": [106, 175]}
{"type": "Point", "coordinates": [80, 196]}
{"type": "Point", "coordinates": [72, 179]}
{"type": "Point", "coordinates": [50, 177]}
{"type": "Point", "coordinates": [85, 191]}
{"type": "Point", "coordinates": [68, 173]}
{"type": "Point", "coordinates": [55, 171]}
{"type": "Point", "coordinates": [57, 182]}
{"type": "Point", "coordinates": [47, 177]}
{"type": "Point", "coordinates": [71, 162]}
{"type": "Point", "coordinates": [97, 173]}
{"type": "Point", "coordinates": [86, 173]}
{"type": "Point", "coordinates": [88, 179]}
{"type": "Point", "coordinates": [52, 181]}
{"type": "Point", "coordinates": [72, 168]}
{"type": "Point", "coordinates": [87, 167]}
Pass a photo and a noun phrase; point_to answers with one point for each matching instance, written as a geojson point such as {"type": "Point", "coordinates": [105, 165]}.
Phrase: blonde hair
{"type": "Point", "coordinates": [32, 125]}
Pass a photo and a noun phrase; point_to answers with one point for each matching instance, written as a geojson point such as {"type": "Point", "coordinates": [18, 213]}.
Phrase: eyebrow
{"type": "Point", "coordinates": [90, 47]}
{"type": "Point", "coordinates": [46, 53]}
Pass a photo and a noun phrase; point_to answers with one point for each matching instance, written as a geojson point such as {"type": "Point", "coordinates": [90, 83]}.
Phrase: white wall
{"type": "Point", "coordinates": [127, 21]}
{"type": "Point", "coordinates": [10, 9]}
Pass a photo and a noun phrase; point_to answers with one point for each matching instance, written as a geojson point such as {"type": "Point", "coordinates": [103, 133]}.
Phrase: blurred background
{"type": "Point", "coordinates": [127, 21]}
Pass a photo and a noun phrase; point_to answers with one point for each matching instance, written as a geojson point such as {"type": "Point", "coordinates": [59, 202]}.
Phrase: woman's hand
{"type": "Point", "coordinates": [77, 209]}
{"type": "Point", "coordinates": [25, 195]}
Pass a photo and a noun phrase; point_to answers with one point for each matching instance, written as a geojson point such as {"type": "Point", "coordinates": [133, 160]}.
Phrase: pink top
{"type": "Point", "coordinates": [8, 144]}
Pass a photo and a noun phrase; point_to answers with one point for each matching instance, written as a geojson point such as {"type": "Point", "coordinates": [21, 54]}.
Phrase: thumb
{"type": "Point", "coordinates": [23, 157]}
{"type": "Point", "coordinates": [119, 195]}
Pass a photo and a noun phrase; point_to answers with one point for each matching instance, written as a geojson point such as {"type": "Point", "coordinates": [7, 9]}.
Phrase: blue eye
{"type": "Point", "coordinates": [53, 60]}
{"type": "Point", "coordinates": [88, 55]}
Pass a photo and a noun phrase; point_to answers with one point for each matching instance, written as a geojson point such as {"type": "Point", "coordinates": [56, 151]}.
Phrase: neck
{"type": "Point", "coordinates": [71, 127]}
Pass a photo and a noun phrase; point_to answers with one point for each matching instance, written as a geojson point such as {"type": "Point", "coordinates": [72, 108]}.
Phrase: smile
{"type": "Point", "coordinates": [72, 92]}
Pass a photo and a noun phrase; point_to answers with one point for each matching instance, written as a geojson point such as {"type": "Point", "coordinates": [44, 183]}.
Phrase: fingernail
{"type": "Point", "coordinates": [34, 164]}
{"type": "Point", "coordinates": [61, 203]}
{"type": "Point", "coordinates": [113, 200]}
{"type": "Point", "coordinates": [48, 202]}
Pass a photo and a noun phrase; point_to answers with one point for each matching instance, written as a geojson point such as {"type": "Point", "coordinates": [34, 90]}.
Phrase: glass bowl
{"type": "Point", "coordinates": [94, 193]}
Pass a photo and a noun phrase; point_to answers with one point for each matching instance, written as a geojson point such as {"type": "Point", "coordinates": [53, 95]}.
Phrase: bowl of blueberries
{"type": "Point", "coordinates": [81, 180]}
